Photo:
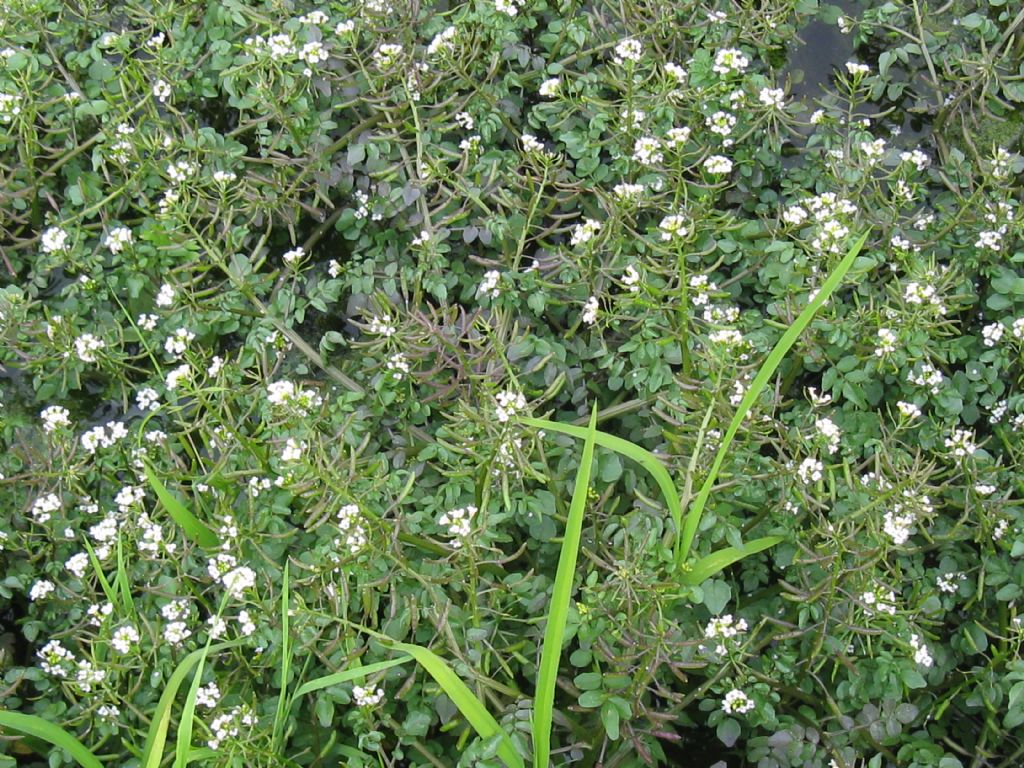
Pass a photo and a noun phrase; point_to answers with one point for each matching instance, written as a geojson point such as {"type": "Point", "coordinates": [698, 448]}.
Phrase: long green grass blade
{"type": "Point", "coordinates": [641, 456]}
{"type": "Point", "coordinates": [286, 660]}
{"type": "Point", "coordinates": [345, 676]}
{"type": "Point", "coordinates": [710, 565]}
{"type": "Point", "coordinates": [470, 707]}
{"type": "Point", "coordinates": [189, 523]}
{"type": "Point", "coordinates": [771, 363]}
{"type": "Point", "coordinates": [31, 725]}
{"type": "Point", "coordinates": [183, 746]}
{"type": "Point", "coordinates": [153, 752]}
{"type": "Point", "coordinates": [551, 653]}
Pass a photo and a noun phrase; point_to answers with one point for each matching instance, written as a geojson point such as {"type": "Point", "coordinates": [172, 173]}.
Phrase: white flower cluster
{"type": "Point", "coordinates": [826, 210]}
{"type": "Point", "coordinates": [55, 659]}
{"type": "Point", "coordinates": [927, 375]}
{"type": "Point", "coordinates": [123, 638]}
{"type": "Point", "coordinates": [293, 256]}
{"type": "Point", "coordinates": [590, 307]}
{"type": "Point", "coordinates": [368, 696]}
{"type": "Point", "coordinates": [585, 232]}
{"type": "Point", "coordinates": [924, 295]}
{"type": "Point", "coordinates": [152, 538]}
{"type": "Point", "coordinates": [54, 240]}
{"type": "Point", "coordinates": [674, 227]}
{"type": "Point", "coordinates": [176, 631]}
{"type": "Point", "coordinates": [284, 393]}
{"type": "Point", "coordinates": [118, 239]}
{"type": "Point", "coordinates": [489, 285]}
{"type": "Point", "coordinates": [737, 702]}
{"type": "Point", "coordinates": [730, 60]}
{"type": "Point", "coordinates": [722, 630]}
{"type": "Point", "coordinates": [86, 347]}
{"type": "Point", "coordinates": [950, 582]}
{"type": "Point", "coordinates": [961, 443]}
{"type": "Point", "coordinates": [886, 342]}
{"type": "Point", "coordinates": [631, 279]}
{"type": "Point", "coordinates": [353, 531]}
{"type": "Point", "coordinates": [509, 404]}
{"type": "Point", "coordinates": [398, 365]}
{"type": "Point", "coordinates": [828, 430]}
{"type": "Point", "coordinates": [458, 522]}
{"type": "Point", "coordinates": [382, 326]}
{"type": "Point", "coordinates": [647, 151]}
{"type": "Point", "coordinates": [992, 334]}
{"type": "Point", "coordinates": [810, 470]}
{"type": "Point", "coordinates": [879, 599]}
{"type": "Point", "coordinates": [442, 42]}
{"type": "Point", "coordinates": [54, 417]}
{"type": "Point", "coordinates": [104, 436]}
{"type": "Point", "coordinates": [909, 410]}
{"type": "Point", "coordinates": [176, 344]}
{"type": "Point", "coordinates": [235, 578]}
{"type": "Point", "coordinates": [921, 653]}
{"type": "Point", "coordinates": [628, 50]}
{"type": "Point", "coordinates": [718, 164]}
{"type": "Point", "coordinates": [228, 725]}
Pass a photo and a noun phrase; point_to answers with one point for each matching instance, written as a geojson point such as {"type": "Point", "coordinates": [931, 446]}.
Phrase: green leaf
{"type": "Point", "coordinates": [547, 673]}
{"type": "Point", "coordinates": [355, 673]}
{"type": "Point", "coordinates": [728, 731]}
{"type": "Point", "coordinates": [31, 725]}
{"type": "Point", "coordinates": [716, 595]}
{"type": "Point", "coordinates": [641, 456]}
{"type": "Point", "coordinates": [189, 523]}
{"type": "Point", "coordinates": [764, 375]}
{"type": "Point", "coordinates": [471, 708]}
{"type": "Point", "coordinates": [718, 561]}
{"type": "Point", "coordinates": [610, 719]}
{"type": "Point", "coordinates": [153, 752]}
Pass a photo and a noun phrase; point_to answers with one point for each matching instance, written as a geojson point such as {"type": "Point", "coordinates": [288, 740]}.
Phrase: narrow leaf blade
{"type": "Point", "coordinates": [31, 725]}
{"type": "Point", "coordinates": [771, 363]}
{"type": "Point", "coordinates": [189, 523]}
{"type": "Point", "coordinates": [718, 561]}
{"type": "Point", "coordinates": [551, 654]}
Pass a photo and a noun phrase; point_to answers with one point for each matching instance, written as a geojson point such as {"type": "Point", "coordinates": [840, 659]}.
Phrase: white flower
{"type": "Point", "coordinates": [909, 410]}
{"type": "Point", "coordinates": [631, 279]}
{"type": "Point", "coordinates": [898, 526]}
{"type": "Point", "coordinates": [827, 429]}
{"type": "Point", "coordinates": [464, 120]}
{"type": "Point", "coordinates": [886, 342]}
{"type": "Point", "coordinates": [730, 60]}
{"type": "Point", "coordinates": [165, 297]}
{"type": "Point", "coordinates": [949, 582]}
{"type": "Point", "coordinates": [589, 315]}
{"type": "Point", "coordinates": [677, 136]}
{"type": "Point", "coordinates": [550, 87]}
{"type": "Point", "coordinates": [147, 322]}
{"type": "Point", "coordinates": [386, 54]}
{"type": "Point", "coordinates": [382, 326]}
{"type": "Point", "coordinates": [810, 470]}
{"type": "Point", "coordinates": [41, 590]}
{"type": "Point", "coordinates": [176, 344]}
{"type": "Point", "coordinates": [86, 347]}
{"type": "Point", "coordinates": [313, 53]}
{"type": "Point", "coordinates": [294, 255]}
{"type": "Point", "coordinates": [992, 334]}
{"type": "Point", "coordinates": [118, 239]}
{"type": "Point", "coordinates": [161, 91]}
{"type": "Point", "coordinates": [489, 285]}
{"type": "Point", "coordinates": [54, 240]}
{"type": "Point", "coordinates": [921, 653]}
{"type": "Point", "coordinates": [459, 522]}
{"type": "Point", "coordinates": [179, 171]}
{"type": "Point", "coordinates": [367, 697]}
{"type": "Point", "coordinates": [442, 41]}
{"type": "Point", "coordinates": [9, 107]}
{"type": "Point", "coordinates": [674, 226]}
{"type": "Point", "coordinates": [718, 164]}
{"type": "Point", "coordinates": [508, 7]}
{"type": "Point", "coordinates": [55, 416]}
{"type": "Point", "coordinates": [737, 702]}
{"type": "Point", "coordinates": [647, 151]}
{"type": "Point", "coordinates": [628, 50]}
{"type": "Point", "coordinates": [509, 403]}
{"type": "Point", "coordinates": [855, 68]}
{"type": "Point", "coordinates": [629, 192]}
{"type": "Point", "coordinates": [961, 443]}
{"type": "Point", "coordinates": [676, 72]}
{"type": "Point", "coordinates": [208, 695]}
{"type": "Point", "coordinates": [182, 373]}
{"type": "Point", "coordinates": [775, 98]}
{"type": "Point", "coordinates": [531, 144]}
{"type": "Point", "coordinates": [124, 638]}
{"type": "Point", "coordinates": [721, 123]}
{"type": "Point", "coordinates": [585, 232]}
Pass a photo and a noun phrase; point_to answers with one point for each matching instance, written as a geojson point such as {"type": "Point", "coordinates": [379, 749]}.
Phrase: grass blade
{"type": "Point", "coordinates": [760, 381]}
{"type": "Point", "coordinates": [551, 653]}
{"type": "Point", "coordinates": [345, 676]}
{"type": "Point", "coordinates": [31, 725]}
{"type": "Point", "coordinates": [183, 747]}
{"type": "Point", "coordinates": [471, 708]}
{"type": "Point", "coordinates": [189, 523]}
{"type": "Point", "coordinates": [708, 566]}
{"type": "Point", "coordinates": [286, 660]}
{"type": "Point", "coordinates": [153, 752]}
{"type": "Point", "coordinates": [641, 456]}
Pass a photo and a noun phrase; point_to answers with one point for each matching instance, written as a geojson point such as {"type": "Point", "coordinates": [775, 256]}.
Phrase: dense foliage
{"type": "Point", "coordinates": [280, 282]}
